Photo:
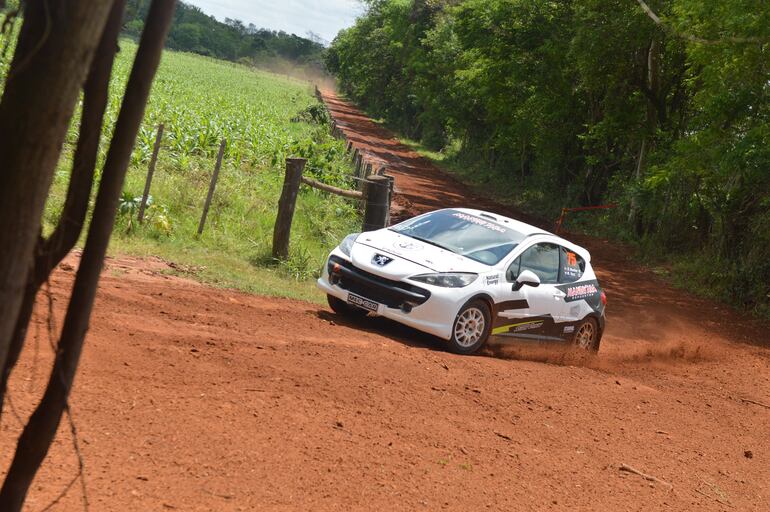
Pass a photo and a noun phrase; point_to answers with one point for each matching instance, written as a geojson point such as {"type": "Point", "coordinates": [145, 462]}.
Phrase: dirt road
{"type": "Point", "coordinates": [192, 398]}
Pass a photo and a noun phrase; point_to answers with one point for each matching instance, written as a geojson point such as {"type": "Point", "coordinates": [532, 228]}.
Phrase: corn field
{"type": "Point", "coordinates": [201, 101]}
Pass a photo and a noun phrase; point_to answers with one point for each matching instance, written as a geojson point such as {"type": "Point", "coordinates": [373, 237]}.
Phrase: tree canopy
{"type": "Point", "coordinates": [585, 102]}
{"type": "Point", "coordinates": [197, 32]}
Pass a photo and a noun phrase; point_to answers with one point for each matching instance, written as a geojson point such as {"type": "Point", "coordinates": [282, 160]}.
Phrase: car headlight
{"type": "Point", "coordinates": [347, 243]}
{"type": "Point", "coordinates": [447, 279]}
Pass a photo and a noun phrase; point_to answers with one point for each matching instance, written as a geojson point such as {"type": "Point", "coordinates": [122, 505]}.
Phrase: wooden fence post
{"type": "Point", "coordinates": [391, 186]}
{"type": "Point", "coordinates": [150, 172]}
{"type": "Point", "coordinates": [350, 146]}
{"type": "Point", "coordinates": [286, 204]}
{"type": "Point", "coordinates": [376, 192]}
{"type": "Point", "coordinates": [212, 186]}
{"type": "Point", "coordinates": [359, 172]}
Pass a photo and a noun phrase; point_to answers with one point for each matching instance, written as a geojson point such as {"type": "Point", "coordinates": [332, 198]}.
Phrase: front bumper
{"type": "Point", "coordinates": [430, 311]}
{"type": "Point", "coordinates": [393, 294]}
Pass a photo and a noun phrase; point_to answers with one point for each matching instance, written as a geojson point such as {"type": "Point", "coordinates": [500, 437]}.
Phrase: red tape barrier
{"type": "Point", "coordinates": [564, 212]}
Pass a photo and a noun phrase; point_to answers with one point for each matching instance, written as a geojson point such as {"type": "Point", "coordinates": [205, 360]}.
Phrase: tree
{"type": "Point", "coordinates": [56, 48]}
{"type": "Point", "coordinates": [660, 106]}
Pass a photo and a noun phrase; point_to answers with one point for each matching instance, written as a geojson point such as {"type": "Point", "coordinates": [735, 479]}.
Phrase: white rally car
{"type": "Point", "coordinates": [463, 275]}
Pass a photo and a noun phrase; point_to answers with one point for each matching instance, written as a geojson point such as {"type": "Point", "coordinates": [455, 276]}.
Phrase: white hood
{"type": "Point", "coordinates": [410, 256]}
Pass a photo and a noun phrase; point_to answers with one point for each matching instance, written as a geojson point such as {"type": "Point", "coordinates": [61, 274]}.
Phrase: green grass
{"type": "Point", "coordinates": [200, 101]}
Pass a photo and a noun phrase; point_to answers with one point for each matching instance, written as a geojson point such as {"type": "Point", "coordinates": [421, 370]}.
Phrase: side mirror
{"type": "Point", "coordinates": [526, 278]}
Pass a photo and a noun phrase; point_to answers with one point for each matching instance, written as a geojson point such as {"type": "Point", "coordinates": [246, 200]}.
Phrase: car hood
{"type": "Point", "coordinates": [409, 256]}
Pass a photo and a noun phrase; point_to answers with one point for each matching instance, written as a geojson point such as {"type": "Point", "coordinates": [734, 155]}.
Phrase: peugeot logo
{"type": "Point", "coordinates": [381, 260]}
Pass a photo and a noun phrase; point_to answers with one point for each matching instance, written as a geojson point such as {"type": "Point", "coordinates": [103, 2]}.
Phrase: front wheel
{"type": "Point", "coordinates": [471, 328]}
{"type": "Point", "coordinates": [586, 335]}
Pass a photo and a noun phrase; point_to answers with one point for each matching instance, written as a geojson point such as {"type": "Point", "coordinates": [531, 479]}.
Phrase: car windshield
{"type": "Point", "coordinates": [468, 235]}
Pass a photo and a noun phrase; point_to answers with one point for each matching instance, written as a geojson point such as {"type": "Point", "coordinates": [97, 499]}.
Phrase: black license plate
{"type": "Point", "coordinates": [363, 303]}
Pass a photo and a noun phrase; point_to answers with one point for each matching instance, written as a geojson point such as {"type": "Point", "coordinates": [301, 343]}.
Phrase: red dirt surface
{"type": "Point", "coordinates": [193, 398]}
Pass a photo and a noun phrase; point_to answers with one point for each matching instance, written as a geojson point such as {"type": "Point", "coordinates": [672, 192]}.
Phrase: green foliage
{"type": "Point", "coordinates": [554, 104]}
{"type": "Point", "coordinates": [201, 100]}
{"type": "Point", "coordinates": [317, 114]}
{"type": "Point", "coordinates": [155, 216]}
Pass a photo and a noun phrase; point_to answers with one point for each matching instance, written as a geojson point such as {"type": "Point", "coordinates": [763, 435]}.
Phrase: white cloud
{"type": "Point", "coordinates": [324, 17]}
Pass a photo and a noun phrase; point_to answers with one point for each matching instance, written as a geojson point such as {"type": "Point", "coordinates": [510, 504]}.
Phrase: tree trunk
{"type": "Point", "coordinates": [651, 125]}
{"type": "Point", "coordinates": [50, 252]}
{"type": "Point", "coordinates": [39, 432]}
{"type": "Point", "coordinates": [54, 51]}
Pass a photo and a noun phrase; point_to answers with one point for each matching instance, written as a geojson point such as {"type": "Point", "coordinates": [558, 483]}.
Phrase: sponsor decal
{"type": "Point", "coordinates": [523, 326]}
{"type": "Point", "coordinates": [381, 260]}
{"type": "Point", "coordinates": [527, 327]}
{"type": "Point", "coordinates": [492, 280]}
{"type": "Point", "coordinates": [480, 222]}
{"type": "Point", "coordinates": [581, 291]}
{"type": "Point", "coordinates": [569, 329]}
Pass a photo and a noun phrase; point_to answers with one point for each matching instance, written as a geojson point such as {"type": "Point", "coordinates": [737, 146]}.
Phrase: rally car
{"type": "Point", "coordinates": [465, 275]}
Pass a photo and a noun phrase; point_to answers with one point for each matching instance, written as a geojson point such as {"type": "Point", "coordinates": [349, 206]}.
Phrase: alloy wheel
{"type": "Point", "coordinates": [469, 327]}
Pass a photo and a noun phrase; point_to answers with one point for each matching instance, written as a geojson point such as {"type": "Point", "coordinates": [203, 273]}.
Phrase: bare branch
{"type": "Point", "coordinates": [695, 39]}
{"type": "Point", "coordinates": [629, 469]}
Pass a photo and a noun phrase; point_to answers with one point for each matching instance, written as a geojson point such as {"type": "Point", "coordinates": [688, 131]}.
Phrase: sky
{"type": "Point", "coordinates": [324, 17]}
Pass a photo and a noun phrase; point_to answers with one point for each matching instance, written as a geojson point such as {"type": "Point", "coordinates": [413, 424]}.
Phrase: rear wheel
{"type": "Point", "coordinates": [342, 308]}
{"type": "Point", "coordinates": [471, 328]}
{"type": "Point", "coordinates": [586, 335]}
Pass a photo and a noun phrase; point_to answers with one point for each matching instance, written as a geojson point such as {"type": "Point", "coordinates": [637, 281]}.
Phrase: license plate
{"type": "Point", "coordinates": [361, 302]}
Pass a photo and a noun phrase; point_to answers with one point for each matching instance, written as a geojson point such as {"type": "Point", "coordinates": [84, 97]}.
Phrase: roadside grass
{"type": "Point", "coordinates": [200, 101]}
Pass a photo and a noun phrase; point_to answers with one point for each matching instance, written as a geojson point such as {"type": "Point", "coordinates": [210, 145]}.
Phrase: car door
{"type": "Point", "coordinates": [532, 311]}
{"type": "Point", "coordinates": [571, 269]}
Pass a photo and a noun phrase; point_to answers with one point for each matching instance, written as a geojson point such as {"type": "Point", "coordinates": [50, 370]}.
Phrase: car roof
{"type": "Point", "coordinates": [527, 230]}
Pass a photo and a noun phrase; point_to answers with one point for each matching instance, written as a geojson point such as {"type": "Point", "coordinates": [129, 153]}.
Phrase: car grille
{"type": "Point", "coordinates": [394, 294]}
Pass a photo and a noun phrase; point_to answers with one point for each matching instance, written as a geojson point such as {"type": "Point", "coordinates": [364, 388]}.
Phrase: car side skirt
{"type": "Point", "coordinates": [539, 327]}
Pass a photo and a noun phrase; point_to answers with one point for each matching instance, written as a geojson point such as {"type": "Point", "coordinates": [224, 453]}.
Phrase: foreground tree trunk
{"type": "Point", "coordinates": [49, 252]}
{"type": "Point", "coordinates": [39, 432]}
{"type": "Point", "coordinates": [54, 50]}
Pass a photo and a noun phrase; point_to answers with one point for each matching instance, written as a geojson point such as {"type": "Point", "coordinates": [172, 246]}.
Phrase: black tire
{"type": "Point", "coordinates": [587, 336]}
{"type": "Point", "coordinates": [342, 308]}
{"type": "Point", "coordinates": [469, 339]}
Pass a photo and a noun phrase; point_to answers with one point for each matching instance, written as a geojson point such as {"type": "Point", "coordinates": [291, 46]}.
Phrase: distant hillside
{"type": "Point", "coordinates": [197, 32]}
